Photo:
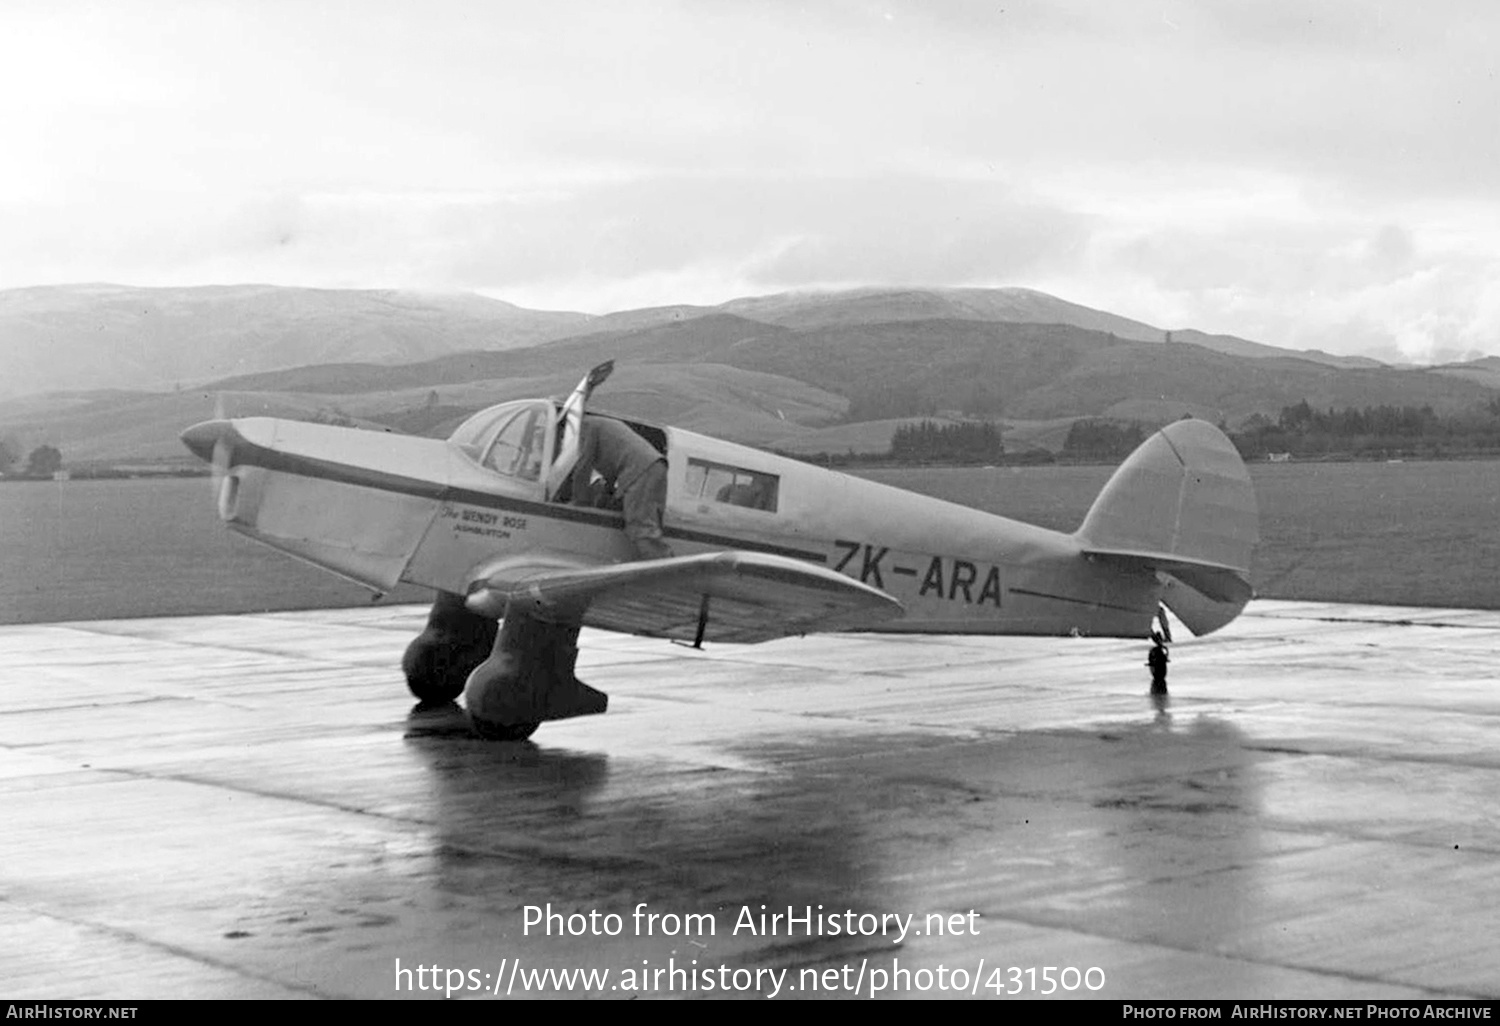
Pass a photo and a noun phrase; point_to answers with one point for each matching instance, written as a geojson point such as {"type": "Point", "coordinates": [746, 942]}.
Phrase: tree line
{"type": "Point", "coordinates": [1092, 439]}
{"type": "Point", "coordinates": [43, 461]}
{"type": "Point", "coordinates": [927, 441]}
{"type": "Point", "coordinates": [1300, 429]}
{"type": "Point", "coordinates": [1385, 430]}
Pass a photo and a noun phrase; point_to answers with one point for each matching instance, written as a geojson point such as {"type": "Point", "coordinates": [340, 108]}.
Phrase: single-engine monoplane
{"type": "Point", "coordinates": [762, 546]}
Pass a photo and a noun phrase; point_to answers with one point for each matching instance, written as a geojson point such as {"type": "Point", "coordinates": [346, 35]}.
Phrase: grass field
{"type": "Point", "coordinates": [1415, 533]}
{"type": "Point", "coordinates": [87, 550]}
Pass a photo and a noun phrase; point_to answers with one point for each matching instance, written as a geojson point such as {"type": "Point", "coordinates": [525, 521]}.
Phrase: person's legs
{"type": "Point", "coordinates": [645, 504]}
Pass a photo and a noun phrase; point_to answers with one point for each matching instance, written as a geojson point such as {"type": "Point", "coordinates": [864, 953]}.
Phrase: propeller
{"type": "Point", "coordinates": [225, 486]}
{"type": "Point", "coordinates": [213, 442]}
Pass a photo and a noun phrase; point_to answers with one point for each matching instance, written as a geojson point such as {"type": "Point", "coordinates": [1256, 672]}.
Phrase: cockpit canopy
{"type": "Point", "coordinates": [536, 441]}
{"type": "Point", "coordinates": [514, 439]}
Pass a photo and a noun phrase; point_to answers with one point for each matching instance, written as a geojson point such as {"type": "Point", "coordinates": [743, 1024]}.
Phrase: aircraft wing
{"type": "Point", "coordinates": [719, 596]}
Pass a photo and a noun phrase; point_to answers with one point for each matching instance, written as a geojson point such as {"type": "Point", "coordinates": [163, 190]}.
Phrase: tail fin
{"type": "Point", "coordinates": [1183, 506]}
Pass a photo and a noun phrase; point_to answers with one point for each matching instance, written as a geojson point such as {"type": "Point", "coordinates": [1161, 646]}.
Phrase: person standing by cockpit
{"type": "Point", "coordinates": [635, 470]}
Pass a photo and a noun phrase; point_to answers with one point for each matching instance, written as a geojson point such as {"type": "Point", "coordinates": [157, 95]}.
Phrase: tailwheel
{"type": "Point", "coordinates": [1157, 659]}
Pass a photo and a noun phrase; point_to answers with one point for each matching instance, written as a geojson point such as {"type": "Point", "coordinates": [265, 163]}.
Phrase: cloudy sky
{"type": "Point", "coordinates": [1309, 173]}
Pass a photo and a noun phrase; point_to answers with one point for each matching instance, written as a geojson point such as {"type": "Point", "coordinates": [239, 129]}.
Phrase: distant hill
{"type": "Point", "coordinates": [1000, 305]}
{"type": "Point", "coordinates": [97, 336]}
{"type": "Point", "coordinates": [773, 386]}
{"type": "Point", "coordinates": [799, 371]}
{"type": "Point", "coordinates": [82, 337]}
{"type": "Point", "coordinates": [1032, 371]}
{"type": "Point", "coordinates": [702, 339]}
{"type": "Point", "coordinates": [1483, 371]}
{"type": "Point", "coordinates": [1135, 381]}
{"type": "Point", "coordinates": [1257, 350]}
{"type": "Point", "coordinates": [881, 306]}
{"type": "Point", "coordinates": [744, 406]}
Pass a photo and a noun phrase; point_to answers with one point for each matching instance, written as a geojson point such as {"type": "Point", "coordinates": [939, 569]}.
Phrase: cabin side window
{"type": "Point", "coordinates": [733, 486]}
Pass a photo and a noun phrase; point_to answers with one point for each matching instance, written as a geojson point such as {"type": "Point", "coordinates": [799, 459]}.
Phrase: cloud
{"type": "Point", "coordinates": [1300, 171]}
{"type": "Point", "coordinates": [767, 233]}
{"type": "Point", "coordinates": [1347, 288]}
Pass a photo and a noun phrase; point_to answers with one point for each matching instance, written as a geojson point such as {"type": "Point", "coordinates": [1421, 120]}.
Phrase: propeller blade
{"type": "Point", "coordinates": [225, 485]}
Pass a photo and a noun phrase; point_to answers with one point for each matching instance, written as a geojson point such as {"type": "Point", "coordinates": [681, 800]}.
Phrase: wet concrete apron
{"type": "Point", "coordinates": [249, 806]}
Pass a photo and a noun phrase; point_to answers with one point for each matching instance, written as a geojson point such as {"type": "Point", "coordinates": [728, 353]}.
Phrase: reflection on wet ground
{"type": "Point", "coordinates": [250, 806]}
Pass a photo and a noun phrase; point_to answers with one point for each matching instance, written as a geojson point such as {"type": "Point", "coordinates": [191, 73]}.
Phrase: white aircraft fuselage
{"type": "Point", "coordinates": [381, 509]}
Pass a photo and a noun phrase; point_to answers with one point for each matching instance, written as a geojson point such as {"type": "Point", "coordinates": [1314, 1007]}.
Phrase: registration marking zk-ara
{"type": "Point", "coordinates": [943, 577]}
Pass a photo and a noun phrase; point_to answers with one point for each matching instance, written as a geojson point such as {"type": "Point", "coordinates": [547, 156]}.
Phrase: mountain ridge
{"type": "Point", "coordinates": [804, 364]}
{"type": "Point", "coordinates": [101, 335]}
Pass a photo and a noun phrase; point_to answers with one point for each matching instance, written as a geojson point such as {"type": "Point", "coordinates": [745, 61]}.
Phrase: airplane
{"type": "Point", "coordinates": [763, 546]}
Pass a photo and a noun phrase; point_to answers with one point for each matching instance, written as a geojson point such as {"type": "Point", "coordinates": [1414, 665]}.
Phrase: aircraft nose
{"type": "Point", "coordinates": [201, 438]}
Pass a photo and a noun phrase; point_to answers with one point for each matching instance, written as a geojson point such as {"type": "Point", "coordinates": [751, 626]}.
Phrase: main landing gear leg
{"type": "Point", "coordinates": [440, 659]}
{"type": "Point", "coordinates": [528, 678]}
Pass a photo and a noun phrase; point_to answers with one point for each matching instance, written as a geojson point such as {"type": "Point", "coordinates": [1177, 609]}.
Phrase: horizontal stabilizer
{"type": "Point", "coordinates": [1219, 583]}
{"type": "Point", "coordinates": [721, 596]}
{"type": "Point", "coordinates": [1199, 613]}
{"type": "Point", "coordinates": [1204, 596]}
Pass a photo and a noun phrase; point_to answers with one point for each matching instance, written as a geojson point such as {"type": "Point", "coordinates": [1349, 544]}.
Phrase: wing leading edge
{"type": "Point", "coordinates": [722, 596]}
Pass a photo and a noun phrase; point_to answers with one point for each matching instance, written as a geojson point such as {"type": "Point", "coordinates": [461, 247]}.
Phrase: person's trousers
{"type": "Point", "coordinates": [645, 503]}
